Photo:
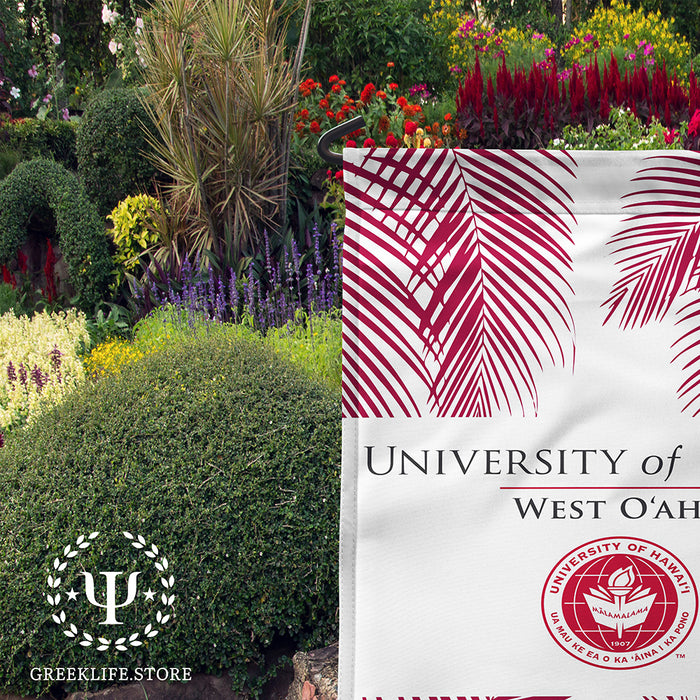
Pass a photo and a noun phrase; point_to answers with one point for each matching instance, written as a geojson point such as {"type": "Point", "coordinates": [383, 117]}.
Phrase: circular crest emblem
{"type": "Point", "coordinates": [619, 602]}
{"type": "Point", "coordinates": [100, 590]}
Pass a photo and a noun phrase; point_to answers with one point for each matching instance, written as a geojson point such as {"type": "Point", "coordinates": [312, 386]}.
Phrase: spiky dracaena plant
{"type": "Point", "coordinates": [220, 89]}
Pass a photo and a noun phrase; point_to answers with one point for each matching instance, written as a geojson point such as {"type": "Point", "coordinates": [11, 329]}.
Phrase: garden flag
{"type": "Point", "coordinates": [521, 400]}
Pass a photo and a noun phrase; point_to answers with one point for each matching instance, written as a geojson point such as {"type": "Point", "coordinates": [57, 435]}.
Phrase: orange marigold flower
{"type": "Point", "coordinates": [340, 116]}
{"type": "Point", "coordinates": [383, 124]}
{"type": "Point", "coordinates": [446, 129]}
{"type": "Point", "coordinates": [402, 101]}
{"type": "Point", "coordinates": [342, 82]}
{"type": "Point", "coordinates": [448, 117]}
{"type": "Point", "coordinates": [439, 143]}
{"type": "Point", "coordinates": [323, 104]}
{"type": "Point", "coordinates": [336, 89]}
{"type": "Point", "coordinates": [393, 86]}
{"type": "Point", "coordinates": [390, 64]}
{"type": "Point", "coordinates": [304, 114]}
{"type": "Point", "coordinates": [314, 127]}
{"type": "Point", "coordinates": [299, 127]}
{"type": "Point", "coordinates": [330, 114]}
{"type": "Point", "coordinates": [381, 94]}
{"type": "Point", "coordinates": [345, 108]}
{"type": "Point", "coordinates": [436, 128]}
{"type": "Point", "coordinates": [333, 79]}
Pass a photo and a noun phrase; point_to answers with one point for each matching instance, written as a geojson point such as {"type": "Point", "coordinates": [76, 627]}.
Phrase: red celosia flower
{"type": "Point", "coordinates": [351, 144]}
{"type": "Point", "coordinates": [391, 141]}
{"type": "Point", "coordinates": [8, 277]}
{"type": "Point", "coordinates": [410, 127]}
{"type": "Point", "coordinates": [333, 79]}
{"type": "Point", "coordinates": [402, 101]}
{"type": "Point", "coordinates": [314, 127]}
{"type": "Point", "coordinates": [670, 136]}
{"type": "Point", "coordinates": [367, 92]}
{"type": "Point", "coordinates": [694, 125]}
{"type": "Point", "coordinates": [22, 261]}
{"type": "Point", "coordinates": [393, 86]}
{"type": "Point", "coordinates": [51, 292]}
{"type": "Point", "coordinates": [339, 176]}
{"type": "Point", "coordinates": [369, 143]}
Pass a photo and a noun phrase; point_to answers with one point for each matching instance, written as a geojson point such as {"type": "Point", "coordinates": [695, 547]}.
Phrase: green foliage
{"type": "Point", "coordinates": [112, 148]}
{"type": "Point", "coordinates": [224, 457]}
{"type": "Point", "coordinates": [47, 138]}
{"type": "Point", "coordinates": [133, 230]}
{"type": "Point", "coordinates": [623, 132]}
{"type": "Point", "coordinates": [39, 185]}
{"type": "Point", "coordinates": [356, 39]}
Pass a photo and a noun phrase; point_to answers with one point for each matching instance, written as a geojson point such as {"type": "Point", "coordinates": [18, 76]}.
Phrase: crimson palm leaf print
{"type": "Point", "coordinates": [657, 257]}
{"type": "Point", "coordinates": [455, 280]}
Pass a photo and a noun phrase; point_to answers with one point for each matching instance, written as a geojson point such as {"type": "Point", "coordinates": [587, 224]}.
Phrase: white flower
{"type": "Point", "coordinates": [20, 7]}
{"type": "Point", "coordinates": [15, 92]}
{"type": "Point", "coordinates": [56, 39]}
{"type": "Point", "coordinates": [109, 16]}
{"type": "Point", "coordinates": [139, 23]}
{"type": "Point", "coordinates": [112, 46]}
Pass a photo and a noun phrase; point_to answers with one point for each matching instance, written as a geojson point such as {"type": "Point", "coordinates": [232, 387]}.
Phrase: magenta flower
{"type": "Point", "coordinates": [588, 37]}
{"type": "Point", "coordinates": [47, 98]}
{"type": "Point", "coordinates": [648, 50]}
{"type": "Point", "coordinates": [65, 114]}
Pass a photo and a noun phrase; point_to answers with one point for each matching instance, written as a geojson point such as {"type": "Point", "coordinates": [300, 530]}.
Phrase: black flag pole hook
{"type": "Point", "coordinates": [337, 132]}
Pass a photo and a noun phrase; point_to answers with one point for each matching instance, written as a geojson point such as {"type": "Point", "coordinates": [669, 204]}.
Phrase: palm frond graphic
{"type": "Point", "coordinates": [658, 259]}
{"type": "Point", "coordinates": [455, 280]}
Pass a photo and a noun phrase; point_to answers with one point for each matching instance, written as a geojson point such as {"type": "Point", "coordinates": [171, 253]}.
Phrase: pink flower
{"type": "Point", "coordinates": [626, 36]}
{"type": "Point", "coordinates": [47, 98]}
{"type": "Point", "coordinates": [369, 143]}
{"type": "Point", "coordinates": [694, 125]}
{"type": "Point", "coordinates": [65, 114]}
{"type": "Point", "coordinates": [648, 50]}
{"type": "Point", "coordinates": [56, 39]}
{"type": "Point", "coordinates": [32, 72]}
{"type": "Point", "coordinates": [670, 136]}
{"type": "Point", "coordinates": [588, 37]}
{"type": "Point", "coordinates": [630, 56]}
{"type": "Point", "coordinates": [549, 53]}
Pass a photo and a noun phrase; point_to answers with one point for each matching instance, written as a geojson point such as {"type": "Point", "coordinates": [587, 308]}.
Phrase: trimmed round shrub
{"type": "Point", "coordinates": [35, 138]}
{"type": "Point", "coordinates": [41, 184]}
{"type": "Point", "coordinates": [111, 146]}
{"type": "Point", "coordinates": [220, 454]}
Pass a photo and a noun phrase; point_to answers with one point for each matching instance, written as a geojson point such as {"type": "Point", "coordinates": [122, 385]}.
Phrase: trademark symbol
{"type": "Point", "coordinates": [680, 656]}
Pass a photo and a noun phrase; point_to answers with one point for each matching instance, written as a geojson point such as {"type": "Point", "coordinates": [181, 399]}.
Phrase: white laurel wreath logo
{"type": "Point", "coordinates": [122, 643]}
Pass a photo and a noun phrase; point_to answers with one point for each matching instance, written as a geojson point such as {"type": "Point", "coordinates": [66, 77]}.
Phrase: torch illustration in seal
{"type": "Point", "coordinates": [620, 583]}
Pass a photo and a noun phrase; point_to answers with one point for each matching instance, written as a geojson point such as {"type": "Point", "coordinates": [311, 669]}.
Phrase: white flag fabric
{"type": "Point", "coordinates": [521, 413]}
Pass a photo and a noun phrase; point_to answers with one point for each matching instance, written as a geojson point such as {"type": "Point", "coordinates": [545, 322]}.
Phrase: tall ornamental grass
{"type": "Point", "coordinates": [220, 89]}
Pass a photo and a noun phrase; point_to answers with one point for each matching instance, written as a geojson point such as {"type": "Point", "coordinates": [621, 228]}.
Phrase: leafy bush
{"type": "Point", "coordinates": [41, 184]}
{"type": "Point", "coordinates": [47, 138]}
{"type": "Point", "coordinates": [38, 363]}
{"type": "Point", "coordinates": [623, 132]}
{"type": "Point", "coordinates": [224, 457]}
{"type": "Point", "coordinates": [357, 38]}
{"type": "Point", "coordinates": [133, 230]}
{"type": "Point", "coordinates": [112, 148]}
